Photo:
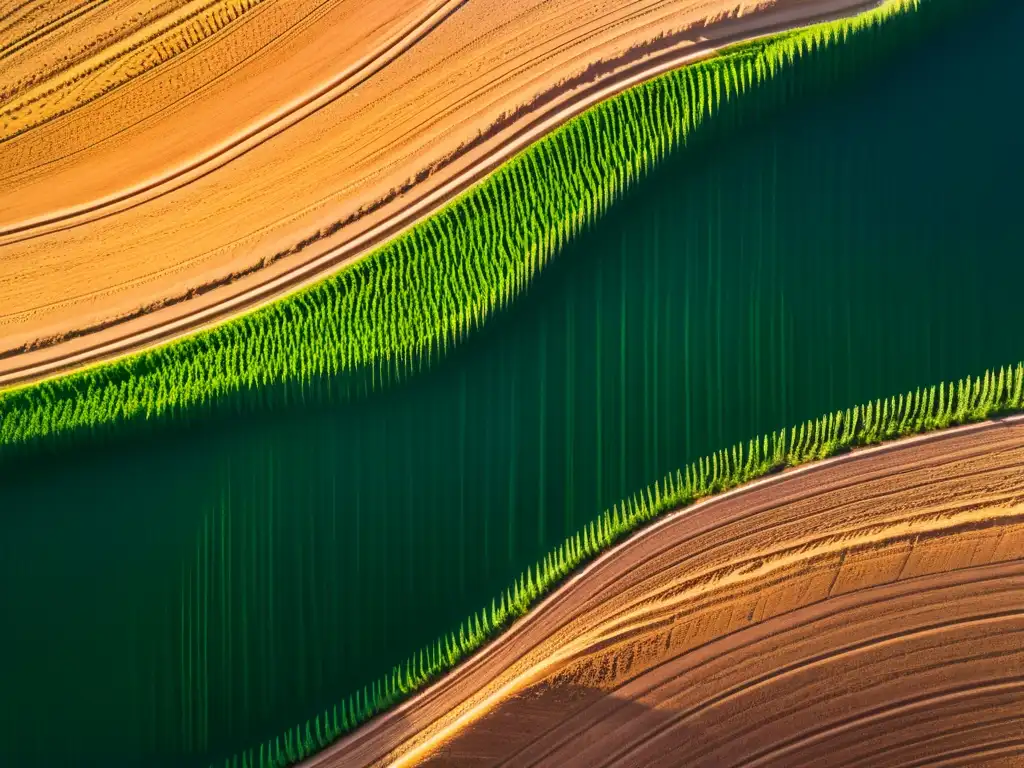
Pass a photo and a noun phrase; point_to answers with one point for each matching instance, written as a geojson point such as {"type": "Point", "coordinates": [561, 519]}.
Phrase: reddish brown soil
{"type": "Point", "coordinates": [171, 189]}
{"type": "Point", "coordinates": [866, 611]}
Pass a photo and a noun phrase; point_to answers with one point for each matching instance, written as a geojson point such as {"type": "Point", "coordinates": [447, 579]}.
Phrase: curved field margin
{"type": "Point", "coordinates": [347, 163]}
{"type": "Point", "coordinates": [442, 714]}
{"type": "Point", "coordinates": [393, 313]}
{"type": "Point", "coordinates": [420, 197]}
{"type": "Point", "coordinates": [866, 609]}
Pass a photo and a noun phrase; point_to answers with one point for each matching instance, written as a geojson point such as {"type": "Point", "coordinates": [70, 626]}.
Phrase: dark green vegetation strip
{"type": "Point", "coordinates": [914, 413]}
{"type": "Point", "coordinates": [939, 407]}
{"type": "Point", "coordinates": [225, 578]}
{"type": "Point", "coordinates": [394, 311]}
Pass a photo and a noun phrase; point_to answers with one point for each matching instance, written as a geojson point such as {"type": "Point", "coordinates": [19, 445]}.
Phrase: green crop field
{"type": "Point", "coordinates": [240, 545]}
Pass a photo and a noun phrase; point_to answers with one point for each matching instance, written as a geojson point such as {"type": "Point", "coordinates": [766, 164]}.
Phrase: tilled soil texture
{"type": "Point", "coordinates": [865, 611]}
{"type": "Point", "coordinates": [157, 158]}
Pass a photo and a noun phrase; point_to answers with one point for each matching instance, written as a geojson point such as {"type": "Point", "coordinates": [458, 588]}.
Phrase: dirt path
{"type": "Point", "coordinates": [867, 606]}
{"type": "Point", "coordinates": [108, 249]}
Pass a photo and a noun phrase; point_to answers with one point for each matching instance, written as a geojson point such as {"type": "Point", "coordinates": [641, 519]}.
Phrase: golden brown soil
{"type": "Point", "coordinates": [153, 149]}
{"type": "Point", "coordinates": [866, 611]}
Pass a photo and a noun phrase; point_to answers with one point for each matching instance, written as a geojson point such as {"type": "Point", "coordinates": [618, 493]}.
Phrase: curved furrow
{"type": "Point", "coordinates": [567, 733]}
{"type": "Point", "coordinates": [668, 677]}
{"type": "Point", "coordinates": [978, 728]}
{"type": "Point", "coordinates": [48, 26]}
{"type": "Point", "coordinates": [570, 682]}
{"type": "Point", "coordinates": [447, 178]}
{"type": "Point", "coordinates": [657, 562]}
{"type": "Point", "coordinates": [1006, 753]}
{"type": "Point", "coordinates": [245, 141]}
{"type": "Point", "coordinates": [645, 749]}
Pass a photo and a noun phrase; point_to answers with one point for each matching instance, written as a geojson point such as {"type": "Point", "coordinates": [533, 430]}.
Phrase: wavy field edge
{"type": "Point", "coordinates": [395, 311]}
{"type": "Point", "coordinates": [967, 401]}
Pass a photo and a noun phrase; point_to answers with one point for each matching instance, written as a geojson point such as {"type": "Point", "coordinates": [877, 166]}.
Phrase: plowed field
{"type": "Point", "coordinates": [864, 611]}
{"type": "Point", "coordinates": [165, 164]}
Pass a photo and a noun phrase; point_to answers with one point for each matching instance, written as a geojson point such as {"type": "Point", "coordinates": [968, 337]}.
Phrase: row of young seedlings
{"type": "Point", "coordinates": [390, 314]}
{"type": "Point", "coordinates": [969, 400]}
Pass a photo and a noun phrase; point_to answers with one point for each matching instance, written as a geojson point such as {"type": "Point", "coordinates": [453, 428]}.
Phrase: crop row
{"type": "Point", "coordinates": [395, 311]}
{"type": "Point", "coordinates": [922, 410]}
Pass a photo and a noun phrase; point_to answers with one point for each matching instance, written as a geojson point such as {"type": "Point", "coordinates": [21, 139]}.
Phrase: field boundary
{"type": "Point", "coordinates": [414, 212]}
{"type": "Point", "coordinates": [397, 311]}
{"type": "Point", "coordinates": [874, 428]}
{"type": "Point", "coordinates": [636, 539]}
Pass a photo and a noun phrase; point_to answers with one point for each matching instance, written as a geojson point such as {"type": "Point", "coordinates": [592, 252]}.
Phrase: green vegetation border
{"type": "Point", "coordinates": [395, 311]}
{"type": "Point", "coordinates": [967, 401]}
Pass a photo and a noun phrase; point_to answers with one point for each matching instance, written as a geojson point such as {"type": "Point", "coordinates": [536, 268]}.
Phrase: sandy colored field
{"type": "Point", "coordinates": [177, 154]}
{"type": "Point", "coordinates": [865, 611]}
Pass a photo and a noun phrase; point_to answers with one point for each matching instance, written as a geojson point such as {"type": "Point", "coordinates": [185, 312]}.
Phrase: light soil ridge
{"type": "Point", "coordinates": [868, 604]}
